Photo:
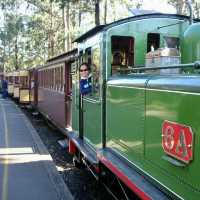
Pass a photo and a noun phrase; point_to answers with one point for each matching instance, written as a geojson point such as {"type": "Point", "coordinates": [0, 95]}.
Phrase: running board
{"type": "Point", "coordinates": [88, 153]}
{"type": "Point", "coordinates": [134, 180]}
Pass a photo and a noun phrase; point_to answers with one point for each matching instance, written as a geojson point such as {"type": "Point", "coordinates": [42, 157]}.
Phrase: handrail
{"type": "Point", "coordinates": [90, 100]}
{"type": "Point", "coordinates": [195, 65]}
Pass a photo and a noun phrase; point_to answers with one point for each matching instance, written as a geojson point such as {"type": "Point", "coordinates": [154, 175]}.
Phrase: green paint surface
{"type": "Point", "coordinates": [180, 108]}
{"type": "Point", "coordinates": [92, 123]}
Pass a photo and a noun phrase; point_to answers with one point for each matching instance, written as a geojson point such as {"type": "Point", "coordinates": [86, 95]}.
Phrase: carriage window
{"type": "Point", "coordinates": [49, 78]}
{"type": "Point", "coordinates": [40, 83]}
{"type": "Point", "coordinates": [153, 41]}
{"type": "Point", "coordinates": [61, 78]}
{"type": "Point", "coordinates": [39, 79]}
{"type": "Point", "coordinates": [52, 78]}
{"type": "Point", "coordinates": [47, 73]}
{"type": "Point", "coordinates": [10, 79]}
{"type": "Point", "coordinates": [24, 81]}
{"type": "Point", "coordinates": [57, 78]}
{"type": "Point", "coordinates": [45, 78]}
{"type": "Point", "coordinates": [122, 48]}
{"type": "Point", "coordinates": [16, 79]}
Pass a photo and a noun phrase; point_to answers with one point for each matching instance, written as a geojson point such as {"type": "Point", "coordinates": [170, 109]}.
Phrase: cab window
{"type": "Point", "coordinates": [172, 42]}
{"type": "Point", "coordinates": [95, 70]}
{"type": "Point", "coordinates": [153, 41]}
{"type": "Point", "coordinates": [87, 56]}
{"type": "Point", "coordinates": [92, 57]}
{"type": "Point", "coordinates": [122, 49]}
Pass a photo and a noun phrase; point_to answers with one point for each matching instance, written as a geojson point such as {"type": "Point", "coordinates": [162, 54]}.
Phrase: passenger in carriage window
{"type": "Point", "coordinates": [85, 79]}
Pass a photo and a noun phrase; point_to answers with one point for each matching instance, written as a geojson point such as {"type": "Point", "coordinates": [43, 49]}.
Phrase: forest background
{"type": "Point", "coordinates": [32, 31]}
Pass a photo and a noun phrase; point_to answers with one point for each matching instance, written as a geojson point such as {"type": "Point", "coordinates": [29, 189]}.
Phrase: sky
{"type": "Point", "coordinates": [158, 5]}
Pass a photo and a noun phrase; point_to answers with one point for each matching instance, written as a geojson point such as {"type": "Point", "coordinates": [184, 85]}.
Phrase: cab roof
{"type": "Point", "coordinates": [100, 28]}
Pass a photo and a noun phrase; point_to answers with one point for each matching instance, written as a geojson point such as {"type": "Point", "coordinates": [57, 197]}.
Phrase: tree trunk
{"type": "Point", "coordinates": [67, 44]}
{"type": "Point", "coordinates": [178, 4]}
{"type": "Point", "coordinates": [179, 7]}
{"type": "Point", "coordinates": [51, 38]}
{"type": "Point", "coordinates": [65, 28]}
{"type": "Point", "coordinates": [4, 54]}
{"type": "Point", "coordinates": [197, 8]}
{"type": "Point", "coordinates": [105, 11]}
{"type": "Point", "coordinates": [16, 54]}
{"type": "Point", "coordinates": [79, 17]}
{"type": "Point", "coordinates": [97, 13]}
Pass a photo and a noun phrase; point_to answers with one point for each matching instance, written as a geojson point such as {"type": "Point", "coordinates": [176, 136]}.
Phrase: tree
{"type": "Point", "coordinates": [179, 5]}
{"type": "Point", "coordinates": [182, 8]}
{"type": "Point", "coordinates": [105, 11]}
{"type": "Point", "coordinates": [197, 9]}
{"type": "Point", "coordinates": [97, 12]}
{"type": "Point", "coordinates": [48, 27]}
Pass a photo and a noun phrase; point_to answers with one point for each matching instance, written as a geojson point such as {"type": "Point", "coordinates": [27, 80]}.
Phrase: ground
{"type": "Point", "coordinates": [80, 182]}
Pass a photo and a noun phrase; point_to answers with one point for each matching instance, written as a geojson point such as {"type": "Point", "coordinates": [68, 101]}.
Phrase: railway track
{"type": "Point", "coordinates": [80, 182]}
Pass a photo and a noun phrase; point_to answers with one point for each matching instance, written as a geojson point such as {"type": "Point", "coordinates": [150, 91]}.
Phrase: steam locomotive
{"type": "Point", "coordinates": [138, 128]}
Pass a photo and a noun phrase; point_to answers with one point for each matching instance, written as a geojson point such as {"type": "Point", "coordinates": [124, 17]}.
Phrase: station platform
{"type": "Point", "coordinates": [27, 171]}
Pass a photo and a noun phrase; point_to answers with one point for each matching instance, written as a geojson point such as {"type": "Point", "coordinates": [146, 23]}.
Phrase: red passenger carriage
{"type": "Point", "coordinates": [54, 89]}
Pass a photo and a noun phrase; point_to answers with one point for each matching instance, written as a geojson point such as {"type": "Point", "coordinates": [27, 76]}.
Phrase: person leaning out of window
{"type": "Point", "coordinates": [85, 79]}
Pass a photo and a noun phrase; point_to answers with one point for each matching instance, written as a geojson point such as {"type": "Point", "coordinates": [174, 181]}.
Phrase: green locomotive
{"type": "Point", "coordinates": [140, 123]}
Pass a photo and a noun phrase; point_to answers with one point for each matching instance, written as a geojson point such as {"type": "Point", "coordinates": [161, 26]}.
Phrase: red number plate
{"type": "Point", "coordinates": [177, 141]}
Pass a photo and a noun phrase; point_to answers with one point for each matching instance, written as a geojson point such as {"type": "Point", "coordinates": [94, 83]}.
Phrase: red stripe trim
{"type": "Point", "coordinates": [124, 178]}
{"type": "Point", "coordinates": [72, 147]}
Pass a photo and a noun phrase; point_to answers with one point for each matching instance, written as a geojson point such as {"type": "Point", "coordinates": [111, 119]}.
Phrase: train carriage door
{"type": "Point", "coordinates": [67, 75]}
{"type": "Point", "coordinates": [92, 101]}
{"type": "Point", "coordinates": [75, 93]}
